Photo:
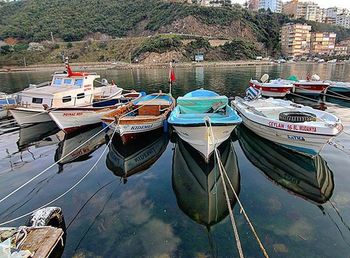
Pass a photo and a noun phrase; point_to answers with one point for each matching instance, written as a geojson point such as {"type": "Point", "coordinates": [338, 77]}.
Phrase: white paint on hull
{"type": "Point", "coordinates": [137, 128]}
{"type": "Point", "coordinates": [68, 120]}
{"type": "Point", "coordinates": [200, 138]}
{"type": "Point", "coordinates": [25, 117]}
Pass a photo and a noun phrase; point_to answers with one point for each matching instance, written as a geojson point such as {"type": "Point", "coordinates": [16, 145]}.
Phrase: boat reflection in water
{"type": "Point", "coordinates": [307, 177]}
{"type": "Point", "coordinates": [77, 146]}
{"type": "Point", "coordinates": [125, 160]}
{"type": "Point", "coordinates": [198, 185]}
{"type": "Point", "coordinates": [39, 135]}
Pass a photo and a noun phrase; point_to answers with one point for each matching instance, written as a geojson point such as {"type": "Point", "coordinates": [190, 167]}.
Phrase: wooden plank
{"type": "Point", "coordinates": [42, 241]}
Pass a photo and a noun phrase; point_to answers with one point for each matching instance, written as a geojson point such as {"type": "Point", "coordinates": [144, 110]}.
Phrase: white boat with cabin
{"type": "Point", "coordinates": [67, 89]}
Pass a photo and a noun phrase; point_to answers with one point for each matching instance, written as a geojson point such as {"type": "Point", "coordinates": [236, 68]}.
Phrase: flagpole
{"type": "Point", "coordinates": [170, 79]}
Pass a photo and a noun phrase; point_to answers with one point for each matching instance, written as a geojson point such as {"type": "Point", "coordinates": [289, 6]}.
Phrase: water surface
{"type": "Point", "coordinates": [156, 197]}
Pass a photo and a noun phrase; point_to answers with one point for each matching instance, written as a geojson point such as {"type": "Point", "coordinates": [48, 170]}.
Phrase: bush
{"type": "Point", "coordinates": [240, 49]}
{"type": "Point", "coordinates": [69, 45]}
{"type": "Point", "coordinates": [159, 44]}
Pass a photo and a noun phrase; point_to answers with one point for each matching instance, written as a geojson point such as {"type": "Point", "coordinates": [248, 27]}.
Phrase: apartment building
{"type": "Point", "coordinates": [274, 5]}
{"type": "Point", "coordinates": [307, 10]}
{"type": "Point", "coordinates": [322, 43]}
{"type": "Point", "coordinates": [295, 40]}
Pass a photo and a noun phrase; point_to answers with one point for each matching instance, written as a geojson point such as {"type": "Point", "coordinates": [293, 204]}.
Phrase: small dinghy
{"type": "Point", "coordinates": [273, 88]}
{"type": "Point", "coordinates": [141, 116]}
{"type": "Point", "coordinates": [7, 101]}
{"type": "Point", "coordinates": [74, 118]}
{"type": "Point", "coordinates": [204, 120]}
{"type": "Point", "coordinates": [300, 128]}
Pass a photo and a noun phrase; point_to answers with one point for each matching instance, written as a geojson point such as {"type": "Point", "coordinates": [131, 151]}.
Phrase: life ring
{"type": "Point", "coordinates": [50, 216]}
{"type": "Point", "coordinates": [297, 117]}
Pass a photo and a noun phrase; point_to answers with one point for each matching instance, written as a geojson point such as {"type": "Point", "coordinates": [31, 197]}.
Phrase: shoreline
{"type": "Point", "coordinates": [125, 66]}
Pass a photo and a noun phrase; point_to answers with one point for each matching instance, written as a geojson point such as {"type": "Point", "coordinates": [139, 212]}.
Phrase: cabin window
{"type": "Point", "coordinates": [67, 81]}
{"type": "Point", "coordinates": [37, 100]}
{"type": "Point", "coordinates": [78, 82]}
{"type": "Point", "coordinates": [81, 95]}
{"type": "Point", "coordinates": [66, 99]}
{"type": "Point", "coordinates": [57, 81]}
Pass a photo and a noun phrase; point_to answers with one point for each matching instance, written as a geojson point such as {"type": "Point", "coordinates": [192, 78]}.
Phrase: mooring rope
{"type": "Point", "coordinates": [52, 165]}
{"type": "Point", "coordinates": [224, 173]}
{"type": "Point", "coordinates": [67, 191]}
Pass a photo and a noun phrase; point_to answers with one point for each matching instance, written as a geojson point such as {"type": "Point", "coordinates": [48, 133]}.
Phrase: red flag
{"type": "Point", "coordinates": [172, 75]}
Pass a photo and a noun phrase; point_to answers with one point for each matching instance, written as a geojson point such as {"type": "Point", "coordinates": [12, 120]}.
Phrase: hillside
{"type": "Point", "coordinates": [70, 20]}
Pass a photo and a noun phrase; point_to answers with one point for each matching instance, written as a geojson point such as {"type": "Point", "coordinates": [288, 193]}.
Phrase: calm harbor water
{"type": "Point", "coordinates": [156, 197]}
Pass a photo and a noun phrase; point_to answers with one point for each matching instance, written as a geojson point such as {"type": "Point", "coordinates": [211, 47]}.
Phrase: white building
{"type": "Point", "coordinates": [343, 20]}
{"type": "Point", "coordinates": [274, 5]}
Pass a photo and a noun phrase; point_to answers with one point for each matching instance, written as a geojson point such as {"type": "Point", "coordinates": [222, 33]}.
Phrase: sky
{"type": "Point", "coordinates": [322, 3]}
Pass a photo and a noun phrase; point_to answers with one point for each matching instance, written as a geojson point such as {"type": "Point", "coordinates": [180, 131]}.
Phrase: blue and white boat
{"type": "Point", "coordinates": [6, 102]}
{"type": "Point", "coordinates": [204, 119]}
{"type": "Point", "coordinates": [338, 88]}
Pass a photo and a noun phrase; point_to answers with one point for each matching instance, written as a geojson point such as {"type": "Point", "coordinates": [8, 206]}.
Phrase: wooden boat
{"type": "Point", "coordinates": [140, 117]}
{"type": "Point", "coordinates": [294, 126]}
{"type": "Point", "coordinates": [274, 88]}
{"type": "Point", "coordinates": [67, 89]}
{"type": "Point", "coordinates": [194, 114]}
{"type": "Point", "coordinates": [138, 156]}
{"type": "Point", "coordinates": [198, 186]}
{"type": "Point", "coordinates": [7, 101]}
{"type": "Point", "coordinates": [74, 118]}
{"type": "Point", "coordinates": [307, 177]}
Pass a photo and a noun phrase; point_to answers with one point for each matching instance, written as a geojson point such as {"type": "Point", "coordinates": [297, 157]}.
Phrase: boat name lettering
{"type": "Point", "coordinates": [145, 155]}
{"type": "Point", "coordinates": [73, 114]}
{"type": "Point", "coordinates": [140, 127]}
{"type": "Point", "coordinates": [293, 127]}
{"type": "Point", "coordinates": [297, 138]}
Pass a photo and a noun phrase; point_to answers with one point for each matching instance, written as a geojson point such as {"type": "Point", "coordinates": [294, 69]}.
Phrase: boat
{"type": "Point", "coordinates": [311, 86]}
{"type": "Point", "coordinates": [7, 101]}
{"type": "Point", "coordinates": [198, 186]}
{"type": "Point", "coordinates": [74, 118]}
{"type": "Point", "coordinates": [336, 88]}
{"type": "Point", "coordinates": [140, 117]}
{"type": "Point", "coordinates": [66, 89]}
{"type": "Point", "coordinates": [307, 177]}
{"type": "Point", "coordinates": [78, 146]}
{"type": "Point", "coordinates": [204, 120]}
{"type": "Point", "coordinates": [300, 128]}
{"type": "Point", "coordinates": [134, 158]}
{"type": "Point", "coordinates": [273, 88]}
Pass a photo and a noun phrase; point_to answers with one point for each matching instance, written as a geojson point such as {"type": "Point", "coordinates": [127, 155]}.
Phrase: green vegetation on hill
{"type": "Point", "coordinates": [250, 33]}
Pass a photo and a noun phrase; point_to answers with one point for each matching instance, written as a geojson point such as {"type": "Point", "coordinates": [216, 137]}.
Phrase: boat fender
{"type": "Point", "coordinates": [297, 117]}
{"type": "Point", "coordinates": [50, 216]}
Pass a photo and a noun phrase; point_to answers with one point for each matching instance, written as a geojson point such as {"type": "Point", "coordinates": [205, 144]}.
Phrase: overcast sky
{"type": "Point", "coordinates": [322, 3]}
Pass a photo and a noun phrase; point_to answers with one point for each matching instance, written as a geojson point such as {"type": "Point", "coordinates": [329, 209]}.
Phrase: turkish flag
{"type": "Point", "coordinates": [172, 77]}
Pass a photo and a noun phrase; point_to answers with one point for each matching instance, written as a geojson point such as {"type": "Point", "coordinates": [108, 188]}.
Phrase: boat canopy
{"type": "Point", "coordinates": [196, 105]}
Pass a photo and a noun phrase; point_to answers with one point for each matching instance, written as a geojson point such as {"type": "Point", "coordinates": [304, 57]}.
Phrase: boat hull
{"type": "Point", "coordinates": [27, 117]}
{"type": "Point", "coordinates": [310, 89]}
{"type": "Point", "coordinates": [130, 132]}
{"type": "Point", "coordinates": [70, 120]}
{"type": "Point", "coordinates": [309, 144]}
{"type": "Point", "coordinates": [278, 91]}
{"type": "Point", "coordinates": [200, 138]}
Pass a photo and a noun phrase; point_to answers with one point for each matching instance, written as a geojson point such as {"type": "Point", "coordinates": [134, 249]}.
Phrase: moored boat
{"type": "Point", "coordinates": [273, 88]}
{"type": "Point", "coordinates": [140, 117]}
{"type": "Point", "coordinates": [7, 101]}
{"type": "Point", "coordinates": [67, 89]}
{"type": "Point", "coordinates": [304, 176]}
{"type": "Point", "coordinates": [204, 119]}
{"type": "Point", "coordinates": [74, 118]}
{"type": "Point", "coordinates": [311, 86]}
{"type": "Point", "coordinates": [300, 128]}
{"type": "Point", "coordinates": [338, 88]}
